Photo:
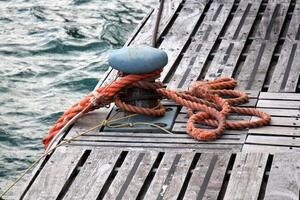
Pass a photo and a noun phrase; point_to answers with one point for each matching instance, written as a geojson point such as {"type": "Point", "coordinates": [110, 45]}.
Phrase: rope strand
{"type": "Point", "coordinates": [205, 103]}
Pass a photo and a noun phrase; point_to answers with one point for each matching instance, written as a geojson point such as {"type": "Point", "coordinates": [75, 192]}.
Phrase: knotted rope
{"type": "Point", "coordinates": [204, 101]}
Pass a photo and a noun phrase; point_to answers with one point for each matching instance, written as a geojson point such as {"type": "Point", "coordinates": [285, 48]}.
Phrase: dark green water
{"type": "Point", "coordinates": [52, 53]}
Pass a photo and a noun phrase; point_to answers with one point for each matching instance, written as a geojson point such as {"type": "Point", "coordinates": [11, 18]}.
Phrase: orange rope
{"type": "Point", "coordinates": [204, 102]}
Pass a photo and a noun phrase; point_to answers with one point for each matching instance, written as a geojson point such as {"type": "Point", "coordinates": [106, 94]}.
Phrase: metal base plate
{"type": "Point", "coordinates": [165, 121]}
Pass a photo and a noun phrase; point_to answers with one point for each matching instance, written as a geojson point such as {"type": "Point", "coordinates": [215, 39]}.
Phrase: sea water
{"type": "Point", "coordinates": [52, 53]}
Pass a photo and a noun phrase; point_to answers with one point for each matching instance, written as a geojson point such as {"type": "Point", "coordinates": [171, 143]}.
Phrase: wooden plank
{"type": "Point", "coordinates": [246, 176]}
{"type": "Point", "coordinates": [124, 171]}
{"type": "Point", "coordinates": [201, 45]}
{"type": "Point", "coordinates": [140, 176]}
{"type": "Point", "coordinates": [284, 177]}
{"type": "Point", "coordinates": [275, 131]}
{"type": "Point", "coordinates": [231, 47]}
{"type": "Point", "coordinates": [145, 35]}
{"type": "Point", "coordinates": [166, 167]}
{"type": "Point", "coordinates": [125, 175]}
{"type": "Point", "coordinates": [255, 68]}
{"type": "Point", "coordinates": [272, 21]}
{"type": "Point", "coordinates": [180, 33]}
{"type": "Point", "coordinates": [207, 177]}
{"type": "Point", "coordinates": [93, 174]}
{"type": "Point", "coordinates": [267, 148]}
{"type": "Point", "coordinates": [242, 21]}
{"type": "Point", "coordinates": [55, 173]}
{"type": "Point", "coordinates": [183, 118]}
{"type": "Point", "coordinates": [283, 121]}
{"type": "Point", "coordinates": [88, 121]}
{"type": "Point", "coordinates": [273, 140]}
{"type": "Point", "coordinates": [180, 128]}
{"type": "Point", "coordinates": [285, 76]}
{"type": "Point", "coordinates": [278, 104]}
{"type": "Point", "coordinates": [203, 147]}
{"type": "Point", "coordinates": [293, 30]}
{"type": "Point", "coordinates": [281, 112]}
{"type": "Point", "coordinates": [174, 183]}
{"type": "Point", "coordinates": [279, 96]}
{"type": "Point", "coordinates": [251, 103]}
{"type": "Point", "coordinates": [286, 73]}
{"type": "Point", "coordinates": [230, 139]}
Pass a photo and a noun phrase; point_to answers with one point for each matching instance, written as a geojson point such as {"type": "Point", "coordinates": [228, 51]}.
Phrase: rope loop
{"type": "Point", "coordinates": [208, 103]}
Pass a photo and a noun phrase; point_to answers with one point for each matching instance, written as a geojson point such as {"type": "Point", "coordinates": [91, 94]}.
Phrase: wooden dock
{"type": "Point", "coordinates": [257, 43]}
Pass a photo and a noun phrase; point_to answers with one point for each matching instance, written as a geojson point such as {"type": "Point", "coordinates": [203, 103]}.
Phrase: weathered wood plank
{"type": "Point", "coordinates": [88, 121]}
{"type": "Point", "coordinates": [93, 174]}
{"type": "Point", "coordinates": [284, 178]}
{"type": "Point", "coordinates": [55, 174]}
{"type": "Point", "coordinates": [251, 103]}
{"type": "Point", "coordinates": [286, 73]}
{"type": "Point", "coordinates": [174, 183]}
{"type": "Point", "coordinates": [180, 128]}
{"type": "Point", "coordinates": [231, 47]}
{"type": "Point", "coordinates": [230, 139]}
{"type": "Point", "coordinates": [169, 10]}
{"type": "Point", "coordinates": [275, 131]}
{"type": "Point", "coordinates": [180, 32]}
{"type": "Point", "coordinates": [166, 167]}
{"type": "Point", "coordinates": [131, 165]}
{"type": "Point", "coordinates": [279, 96]}
{"type": "Point", "coordinates": [274, 140]}
{"type": "Point", "coordinates": [293, 30]}
{"type": "Point", "coordinates": [281, 112]}
{"type": "Point", "coordinates": [182, 117]}
{"type": "Point", "coordinates": [201, 45]}
{"type": "Point", "coordinates": [278, 104]}
{"type": "Point", "coordinates": [267, 148]}
{"type": "Point", "coordinates": [203, 147]}
{"type": "Point", "coordinates": [255, 68]}
{"type": "Point", "coordinates": [140, 176]}
{"type": "Point", "coordinates": [242, 21]}
{"type": "Point", "coordinates": [283, 121]}
{"type": "Point", "coordinates": [246, 176]}
{"type": "Point", "coordinates": [131, 161]}
{"type": "Point", "coordinates": [207, 177]}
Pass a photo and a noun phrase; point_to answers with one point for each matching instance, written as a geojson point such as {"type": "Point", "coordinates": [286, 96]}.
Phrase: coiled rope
{"type": "Point", "coordinates": [204, 101]}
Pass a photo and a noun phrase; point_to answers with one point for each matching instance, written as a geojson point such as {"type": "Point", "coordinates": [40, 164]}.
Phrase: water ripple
{"type": "Point", "coordinates": [52, 54]}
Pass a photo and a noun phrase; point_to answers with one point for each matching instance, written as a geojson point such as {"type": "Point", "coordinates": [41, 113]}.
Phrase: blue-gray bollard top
{"type": "Point", "coordinates": [138, 59]}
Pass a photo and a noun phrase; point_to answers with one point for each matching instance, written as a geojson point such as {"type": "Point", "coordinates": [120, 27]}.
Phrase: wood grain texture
{"type": "Point", "coordinates": [279, 96]}
{"type": "Point", "coordinates": [253, 73]}
{"type": "Point", "coordinates": [231, 47]}
{"type": "Point", "coordinates": [286, 74]}
{"type": "Point", "coordinates": [199, 147]}
{"type": "Point", "coordinates": [171, 188]}
{"type": "Point", "coordinates": [145, 34]}
{"type": "Point", "coordinates": [251, 148]}
{"type": "Point", "coordinates": [169, 161]}
{"type": "Point", "coordinates": [278, 104]}
{"type": "Point", "coordinates": [93, 175]}
{"type": "Point", "coordinates": [284, 178]}
{"type": "Point", "coordinates": [139, 178]}
{"type": "Point", "coordinates": [55, 173]}
{"type": "Point", "coordinates": [246, 176]}
{"type": "Point", "coordinates": [207, 177]}
{"type": "Point", "coordinates": [196, 55]}
{"type": "Point", "coordinates": [180, 33]}
{"type": "Point", "coordinates": [274, 140]}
